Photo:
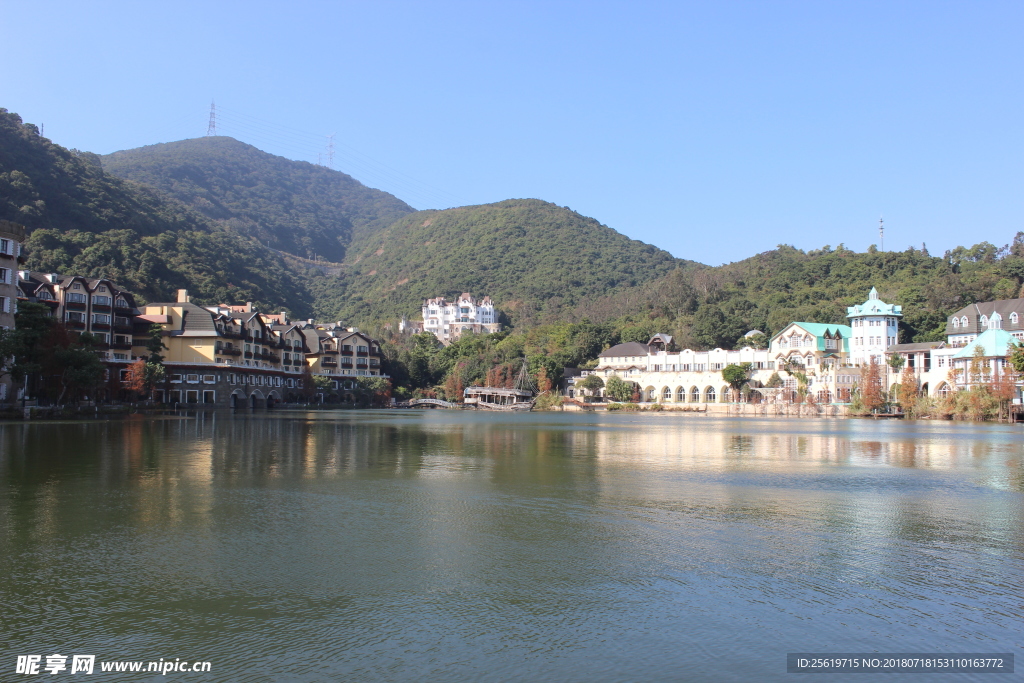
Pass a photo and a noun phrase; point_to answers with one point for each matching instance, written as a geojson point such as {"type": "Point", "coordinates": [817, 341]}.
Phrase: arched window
{"type": "Point", "coordinates": [709, 395]}
{"type": "Point", "coordinates": [983, 320]}
{"type": "Point", "coordinates": [694, 395]}
{"type": "Point", "coordinates": [666, 395]}
{"type": "Point", "coordinates": [963, 321]}
{"type": "Point", "coordinates": [1014, 318]}
{"type": "Point", "coordinates": [956, 322]}
{"type": "Point", "coordinates": [944, 390]}
{"type": "Point", "coordinates": [996, 322]}
{"type": "Point", "coordinates": [650, 394]}
{"type": "Point", "coordinates": [680, 395]}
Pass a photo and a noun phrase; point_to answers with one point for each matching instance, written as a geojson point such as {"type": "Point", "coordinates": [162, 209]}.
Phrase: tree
{"type": "Point", "coordinates": [736, 376]}
{"type": "Point", "coordinates": [896, 361]}
{"type": "Point", "coordinates": [143, 377]}
{"type": "Point", "coordinates": [618, 389]}
{"type": "Point", "coordinates": [155, 345]}
{"type": "Point", "coordinates": [376, 389]}
{"type": "Point", "coordinates": [774, 382]}
{"type": "Point", "coordinates": [592, 383]}
{"type": "Point", "coordinates": [307, 386]}
{"type": "Point", "coordinates": [909, 390]}
{"type": "Point", "coordinates": [871, 387]}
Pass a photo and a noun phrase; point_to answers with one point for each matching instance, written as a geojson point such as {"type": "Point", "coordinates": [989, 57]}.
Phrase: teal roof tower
{"type": "Point", "coordinates": [874, 306]}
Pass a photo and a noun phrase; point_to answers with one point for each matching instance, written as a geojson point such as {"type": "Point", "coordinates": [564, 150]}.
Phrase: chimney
{"type": "Point", "coordinates": [182, 296]}
{"type": "Point", "coordinates": [248, 307]}
{"type": "Point", "coordinates": [284, 317]}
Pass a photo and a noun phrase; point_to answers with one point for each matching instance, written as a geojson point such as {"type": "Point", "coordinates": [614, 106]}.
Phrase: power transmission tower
{"type": "Point", "coordinates": [330, 151]}
{"type": "Point", "coordinates": [881, 234]}
{"type": "Point", "coordinates": [212, 128]}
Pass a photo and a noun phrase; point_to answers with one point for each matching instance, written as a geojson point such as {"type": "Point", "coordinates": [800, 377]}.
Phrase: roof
{"type": "Point", "coordinates": [873, 306]}
{"type": "Point", "coordinates": [665, 339]}
{"type": "Point", "coordinates": [819, 330]}
{"type": "Point", "coordinates": [920, 346]}
{"type": "Point", "coordinates": [995, 343]}
{"type": "Point", "coordinates": [627, 349]}
{"type": "Point", "coordinates": [1004, 307]}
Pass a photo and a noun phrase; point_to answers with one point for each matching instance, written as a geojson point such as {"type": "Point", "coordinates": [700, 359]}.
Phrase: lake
{"type": "Point", "coordinates": [464, 546]}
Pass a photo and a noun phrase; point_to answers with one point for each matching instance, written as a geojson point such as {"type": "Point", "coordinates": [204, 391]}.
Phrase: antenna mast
{"type": "Point", "coordinates": [212, 128]}
{"type": "Point", "coordinates": [881, 234]}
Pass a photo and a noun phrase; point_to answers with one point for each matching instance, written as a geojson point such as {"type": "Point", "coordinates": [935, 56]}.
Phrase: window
{"type": "Point", "coordinates": [74, 317]}
{"type": "Point", "coordinates": [209, 397]}
{"type": "Point", "coordinates": [101, 300]}
{"type": "Point", "coordinates": [75, 298]}
{"type": "Point", "coordinates": [363, 349]}
{"type": "Point", "coordinates": [208, 379]}
{"type": "Point", "coordinates": [963, 321]}
{"type": "Point", "coordinates": [192, 379]}
{"type": "Point", "coordinates": [5, 247]}
{"type": "Point", "coordinates": [5, 304]}
{"type": "Point", "coordinates": [1014, 318]}
{"type": "Point", "coordinates": [5, 275]}
{"type": "Point", "coordinates": [120, 356]}
{"type": "Point", "coordinates": [175, 379]}
{"type": "Point", "coordinates": [956, 323]}
{"type": "Point", "coordinates": [101, 318]}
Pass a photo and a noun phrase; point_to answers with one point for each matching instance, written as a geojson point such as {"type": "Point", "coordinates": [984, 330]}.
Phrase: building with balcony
{"type": "Point", "coordinates": [219, 356]}
{"type": "Point", "coordinates": [449, 320]}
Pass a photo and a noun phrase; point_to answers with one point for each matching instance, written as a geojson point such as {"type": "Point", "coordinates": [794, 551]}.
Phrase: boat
{"type": "Point", "coordinates": [519, 398]}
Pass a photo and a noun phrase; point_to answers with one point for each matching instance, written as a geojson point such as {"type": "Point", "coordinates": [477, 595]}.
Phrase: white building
{"type": "Point", "coordinates": [447, 320]}
{"type": "Point", "coordinates": [874, 328]}
{"type": "Point", "coordinates": [11, 237]}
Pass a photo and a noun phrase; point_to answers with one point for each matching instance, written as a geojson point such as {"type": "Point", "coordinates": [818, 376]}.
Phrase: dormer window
{"type": "Point", "coordinates": [963, 321]}
{"type": "Point", "coordinates": [984, 321]}
{"type": "Point", "coordinates": [1014, 318]}
{"type": "Point", "coordinates": [956, 323]}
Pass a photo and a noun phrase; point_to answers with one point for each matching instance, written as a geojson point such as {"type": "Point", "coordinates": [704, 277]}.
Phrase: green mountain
{"type": "Point", "coordinates": [294, 206]}
{"type": "Point", "coordinates": [85, 221]}
{"type": "Point", "coordinates": [535, 259]}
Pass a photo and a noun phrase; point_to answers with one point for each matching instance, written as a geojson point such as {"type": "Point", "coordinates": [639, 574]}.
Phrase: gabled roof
{"type": "Point", "coordinates": [819, 332]}
{"type": "Point", "coordinates": [627, 349]}
{"type": "Point", "coordinates": [995, 343]}
{"type": "Point", "coordinates": [1004, 307]}
{"type": "Point", "coordinates": [874, 306]}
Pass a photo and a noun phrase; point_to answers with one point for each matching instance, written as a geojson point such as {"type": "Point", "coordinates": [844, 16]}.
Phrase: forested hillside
{"type": "Point", "coordinates": [536, 259]}
{"type": "Point", "coordinates": [293, 206]}
{"type": "Point", "coordinates": [82, 220]}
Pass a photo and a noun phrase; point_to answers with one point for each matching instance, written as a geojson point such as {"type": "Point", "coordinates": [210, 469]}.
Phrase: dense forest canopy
{"type": "Point", "coordinates": [294, 206]}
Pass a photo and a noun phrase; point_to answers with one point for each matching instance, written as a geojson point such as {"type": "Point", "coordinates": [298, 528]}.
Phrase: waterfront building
{"type": "Point", "coordinates": [235, 356]}
{"type": "Point", "coordinates": [12, 235]}
{"type": "Point", "coordinates": [875, 327]}
{"type": "Point", "coordinates": [964, 326]}
{"type": "Point", "coordinates": [448, 320]}
{"type": "Point", "coordinates": [667, 375]}
{"type": "Point", "coordinates": [93, 306]}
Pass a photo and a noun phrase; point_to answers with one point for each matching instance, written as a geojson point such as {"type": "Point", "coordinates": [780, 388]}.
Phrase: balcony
{"type": "Point", "coordinates": [248, 354]}
{"type": "Point", "coordinates": [74, 305]}
{"type": "Point", "coordinates": [121, 345]}
{"type": "Point", "coordinates": [272, 357]}
{"type": "Point", "coordinates": [76, 324]}
{"type": "Point", "coordinates": [101, 307]}
{"type": "Point", "coordinates": [101, 326]}
{"type": "Point", "coordinates": [329, 362]}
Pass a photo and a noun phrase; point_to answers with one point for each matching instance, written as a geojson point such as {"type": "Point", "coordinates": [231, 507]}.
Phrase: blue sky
{"type": "Point", "coordinates": [714, 130]}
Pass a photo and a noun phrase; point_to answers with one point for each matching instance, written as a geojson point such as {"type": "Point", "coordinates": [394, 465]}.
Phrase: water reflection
{"type": "Point", "coordinates": [386, 544]}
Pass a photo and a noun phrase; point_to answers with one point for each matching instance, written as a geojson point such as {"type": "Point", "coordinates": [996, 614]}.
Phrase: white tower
{"type": "Point", "coordinates": [875, 327]}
